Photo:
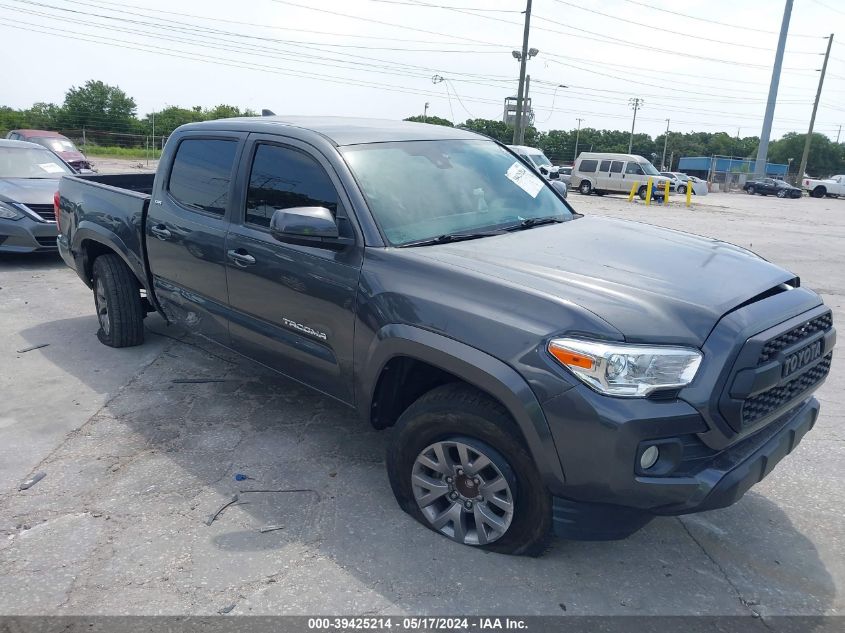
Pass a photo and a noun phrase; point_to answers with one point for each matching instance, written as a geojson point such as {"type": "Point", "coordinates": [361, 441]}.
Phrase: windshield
{"type": "Point", "coordinates": [419, 190]}
{"type": "Point", "coordinates": [56, 144]}
{"type": "Point", "coordinates": [649, 169]}
{"type": "Point", "coordinates": [30, 163]}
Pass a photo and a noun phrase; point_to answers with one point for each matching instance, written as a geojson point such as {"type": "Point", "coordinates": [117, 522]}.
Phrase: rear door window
{"type": "Point", "coordinates": [588, 166]}
{"type": "Point", "coordinates": [201, 174]}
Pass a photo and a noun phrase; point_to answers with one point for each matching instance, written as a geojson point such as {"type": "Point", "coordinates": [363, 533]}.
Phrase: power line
{"type": "Point", "coordinates": [437, 6]}
{"type": "Point", "coordinates": [709, 21]}
{"type": "Point", "coordinates": [680, 34]}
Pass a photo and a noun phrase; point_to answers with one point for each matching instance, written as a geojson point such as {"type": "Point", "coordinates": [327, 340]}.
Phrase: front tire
{"type": "Point", "coordinates": [117, 299]}
{"type": "Point", "coordinates": [459, 466]}
{"type": "Point", "coordinates": [682, 189]}
{"type": "Point", "coordinates": [585, 187]}
{"type": "Point", "coordinates": [781, 194]}
{"type": "Point", "coordinates": [751, 190]}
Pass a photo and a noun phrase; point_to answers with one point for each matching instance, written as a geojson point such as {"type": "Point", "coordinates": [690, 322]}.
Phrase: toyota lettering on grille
{"type": "Point", "coordinates": [801, 358]}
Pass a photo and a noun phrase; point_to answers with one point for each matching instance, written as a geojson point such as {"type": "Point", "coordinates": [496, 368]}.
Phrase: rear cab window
{"type": "Point", "coordinates": [201, 174]}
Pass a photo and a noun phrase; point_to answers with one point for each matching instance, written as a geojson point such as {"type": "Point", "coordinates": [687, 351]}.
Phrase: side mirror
{"type": "Point", "coordinates": [311, 226]}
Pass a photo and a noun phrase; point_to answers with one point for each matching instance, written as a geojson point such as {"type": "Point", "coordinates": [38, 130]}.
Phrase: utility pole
{"type": "Point", "coordinates": [154, 131]}
{"type": "Point", "coordinates": [526, 111]}
{"type": "Point", "coordinates": [577, 134]}
{"type": "Point", "coordinates": [665, 142]}
{"type": "Point", "coordinates": [523, 59]}
{"type": "Point", "coordinates": [425, 113]}
{"type": "Point", "coordinates": [636, 103]}
{"type": "Point", "coordinates": [837, 137]}
{"type": "Point", "coordinates": [803, 167]}
{"type": "Point", "coordinates": [763, 149]}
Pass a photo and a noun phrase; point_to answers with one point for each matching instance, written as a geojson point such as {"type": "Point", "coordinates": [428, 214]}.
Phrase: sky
{"type": "Point", "coordinates": [703, 64]}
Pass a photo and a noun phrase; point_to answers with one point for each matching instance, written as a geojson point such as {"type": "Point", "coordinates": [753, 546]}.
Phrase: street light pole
{"type": "Point", "coordinates": [577, 135]}
{"type": "Point", "coordinates": [665, 142]}
{"type": "Point", "coordinates": [636, 103]}
{"type": "Point", "coordinates": [425, 113]}
{"type": "Point", "coordinates": [523, 59]}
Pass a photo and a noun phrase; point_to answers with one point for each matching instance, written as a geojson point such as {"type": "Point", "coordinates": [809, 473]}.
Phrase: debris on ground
{"type": "Point", "coordinates": [270, 528]}
{"type": "Point", "coordinates": [211, 518]}
{"type": "Point", "coordinates": [242, 477]}
{"type": "Point", "coordinates": [29, 349]}
{"type": "Point", "coordinates": [29, 483]}
{"type": "Point", "coordinates": [227, 608]}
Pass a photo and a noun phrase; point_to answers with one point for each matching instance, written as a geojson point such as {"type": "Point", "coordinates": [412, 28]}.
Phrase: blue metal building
{"type": "Point", "coordinates": [703, 166]}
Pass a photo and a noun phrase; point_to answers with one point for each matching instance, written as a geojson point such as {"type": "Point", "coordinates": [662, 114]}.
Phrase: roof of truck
{"type": "Point", "coordinates": [342, 130]}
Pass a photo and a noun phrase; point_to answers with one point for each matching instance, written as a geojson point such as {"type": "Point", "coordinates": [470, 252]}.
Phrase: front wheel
{"type": "Point", "coordinates": [585, 187]}
{"type": "Point", "coordinates": [751, 190]}
{"type": "Point", "coordinates": [781, 194]}
{"type": "Point", "coordinates": [682, 189]}
{"type": "Point", "coordinates": [459, 466]}
{"type": "Point", "coordinates": [117, 299]}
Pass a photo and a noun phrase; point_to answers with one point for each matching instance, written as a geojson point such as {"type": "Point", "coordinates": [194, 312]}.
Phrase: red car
{"type": "Point", "coordinates": [55, 142]}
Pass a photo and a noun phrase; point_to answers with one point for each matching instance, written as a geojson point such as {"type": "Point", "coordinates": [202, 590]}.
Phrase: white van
{"type": "Point", "coordinates": [602, 173]}
{"type": "Point", "coordinates": [538, 159]}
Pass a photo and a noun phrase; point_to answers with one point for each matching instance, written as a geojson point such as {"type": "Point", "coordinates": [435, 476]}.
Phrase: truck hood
{"type": "Point", "coordinates": [29, 190]}
{"type": "Point", "coordinates": [651, 284]}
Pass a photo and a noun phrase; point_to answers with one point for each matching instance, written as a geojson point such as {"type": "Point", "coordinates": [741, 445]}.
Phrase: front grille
{"type": "Point", "coordinates": [763, 404]}
{"type": "Point", "coordinates": [46, 211]}
{"type": "Point", "coordinates": [820, 324]}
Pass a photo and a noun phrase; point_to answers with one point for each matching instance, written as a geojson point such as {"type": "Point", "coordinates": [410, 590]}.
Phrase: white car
{"type": "Point", "coordinates": [833, 186]}
{"type": "Point", "coordinates": [680, 182]}
{"type": "Point", "coordinates": [537, 158]}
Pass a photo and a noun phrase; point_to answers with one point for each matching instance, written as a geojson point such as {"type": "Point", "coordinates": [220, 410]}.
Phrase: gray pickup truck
{"type": "Point", "coordinates": [540, 370]}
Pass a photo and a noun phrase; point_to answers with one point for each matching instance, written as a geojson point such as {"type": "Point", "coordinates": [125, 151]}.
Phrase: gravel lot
{"type": "Point", "coordinates": [135, 463]}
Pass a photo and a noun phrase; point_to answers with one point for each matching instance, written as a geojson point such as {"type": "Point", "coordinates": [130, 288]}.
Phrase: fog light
{"type": "Point", "coordinates": [649, 457]}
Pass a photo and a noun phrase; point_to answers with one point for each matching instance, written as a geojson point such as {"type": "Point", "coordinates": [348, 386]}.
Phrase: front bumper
{"type": "Point", "coordinates": [27, 236]}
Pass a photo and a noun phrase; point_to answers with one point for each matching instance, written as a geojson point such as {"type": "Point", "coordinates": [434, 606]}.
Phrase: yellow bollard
{"type": "Point", "coordinates": [666, 192]}
{"type": "Point", "coordinates": [634, 188]}
{"type": "Point", "coordinates": [648, 192]}
{"type": "Point", "coordinates": [689, 193]}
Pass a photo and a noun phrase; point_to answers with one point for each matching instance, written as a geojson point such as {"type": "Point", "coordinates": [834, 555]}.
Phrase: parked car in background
{"type": "Point", "coordinates": [58, 143]}
{"type": "Point", "coordinates": [680, 182]}
{"type": "Point", "coordinates": [565, 175]}
{"type": "Point", "coordinates": [615, 173]}
{"type": "Point", "coordinates": [29, 179]}
{"type": "Point", "coordinates": [537, 158]}
{"type": "Point", "coordinates": [832, 187]}
{"type": "Point", "coordinates": [772, 187]}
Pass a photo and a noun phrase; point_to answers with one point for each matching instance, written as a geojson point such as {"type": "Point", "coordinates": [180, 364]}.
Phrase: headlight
{"type": "Point", "coordinates": [8, 212]}
{"type": "Point", "coordinates": [619, 369]}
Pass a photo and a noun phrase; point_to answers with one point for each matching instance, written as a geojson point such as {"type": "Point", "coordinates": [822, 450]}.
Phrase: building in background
{"type": "Point", "coordinates": [727, 172]}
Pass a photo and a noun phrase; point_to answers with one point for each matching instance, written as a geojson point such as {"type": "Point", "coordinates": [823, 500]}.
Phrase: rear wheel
{"type": "Point", "coordinates": [459, 466]}
{"type": "Point", "coordinates": [751, 190]}
{"type": "Point", "coordinates": [641, 192]}
{"type": "Point", "coordinates": [117, 298]}
{"type": "Point", "coordinates": [819, 192]}
{"type": "Point", "coordinates": [585, 187]}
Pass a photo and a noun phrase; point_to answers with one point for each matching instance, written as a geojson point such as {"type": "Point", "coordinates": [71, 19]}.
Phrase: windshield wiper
{"type": "Point", "coordinates": [528, 223]}
{"type": "Point", "coordinates": [451, 237]}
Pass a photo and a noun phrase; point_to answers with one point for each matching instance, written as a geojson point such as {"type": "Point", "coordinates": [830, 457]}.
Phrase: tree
{"type": "Point", "coordinates": [825, 159]}
{"type": "Point", "coordinates": [99, 106]}
{"type": "Point", "coordinates": [434, 120]}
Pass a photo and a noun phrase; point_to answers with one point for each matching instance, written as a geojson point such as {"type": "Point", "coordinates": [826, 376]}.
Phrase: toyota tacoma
{"type": "Point", "coordinates": [540, 371]}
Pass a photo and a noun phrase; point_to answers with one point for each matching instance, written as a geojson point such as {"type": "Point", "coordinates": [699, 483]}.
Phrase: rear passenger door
{"type": "Point", "coordinates": [292, 305]}
{"type": "Point", "coordinates": [186, 230]}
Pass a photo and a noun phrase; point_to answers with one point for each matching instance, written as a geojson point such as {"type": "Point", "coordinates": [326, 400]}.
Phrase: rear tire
{"type": "Point", "coordinates": [117, 299]}
{"type": "Point", "coordinates": [819, 192]}
{"type": "Point", "coordinates": [429, 444]}
{"type": "Point", "coordinates": [585, 187]}
{"type": "Point", "coordinates": [641, 192]}
{"type": "Point", "coordinates": [751, 190]}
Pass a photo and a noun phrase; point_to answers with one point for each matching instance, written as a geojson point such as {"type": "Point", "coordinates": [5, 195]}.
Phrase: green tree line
{"type": "Point", "coordinates": [110, 116]}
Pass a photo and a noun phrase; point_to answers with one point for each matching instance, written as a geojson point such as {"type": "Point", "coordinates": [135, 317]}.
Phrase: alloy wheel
{"type": "Point", "coordinates": [462, 492]}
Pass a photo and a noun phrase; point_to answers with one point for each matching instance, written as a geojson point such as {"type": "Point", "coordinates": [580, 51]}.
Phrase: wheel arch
{"type": "Point", "coordinates": [397, 347]}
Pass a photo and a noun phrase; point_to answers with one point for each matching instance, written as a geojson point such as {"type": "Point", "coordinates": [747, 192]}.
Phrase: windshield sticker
{"type": "Point", "coordinates": [520, 175]}
{"type": "Point", "coordinates": [51, 168]}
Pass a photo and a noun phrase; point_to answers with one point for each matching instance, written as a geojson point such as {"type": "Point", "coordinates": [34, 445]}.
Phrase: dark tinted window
{"type": "Point", "coordinates": [201, 173]}
{"type": "Point", "coordinates": [588, 166]}
{"type": "Point", "coordinates": [605, 165]}
{"type": "Point", "coordinates": [616, 167]}
{"type": "Point", "coordinates": [282, 178]}
{"type": "Point", "coordinates": [634, 168]}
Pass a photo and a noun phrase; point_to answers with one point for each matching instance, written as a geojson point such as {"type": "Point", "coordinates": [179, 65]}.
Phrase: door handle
{"type": "Point", "coordinates": [241, 257]}
{"type": "Point", "coordinates": [161, 232]}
